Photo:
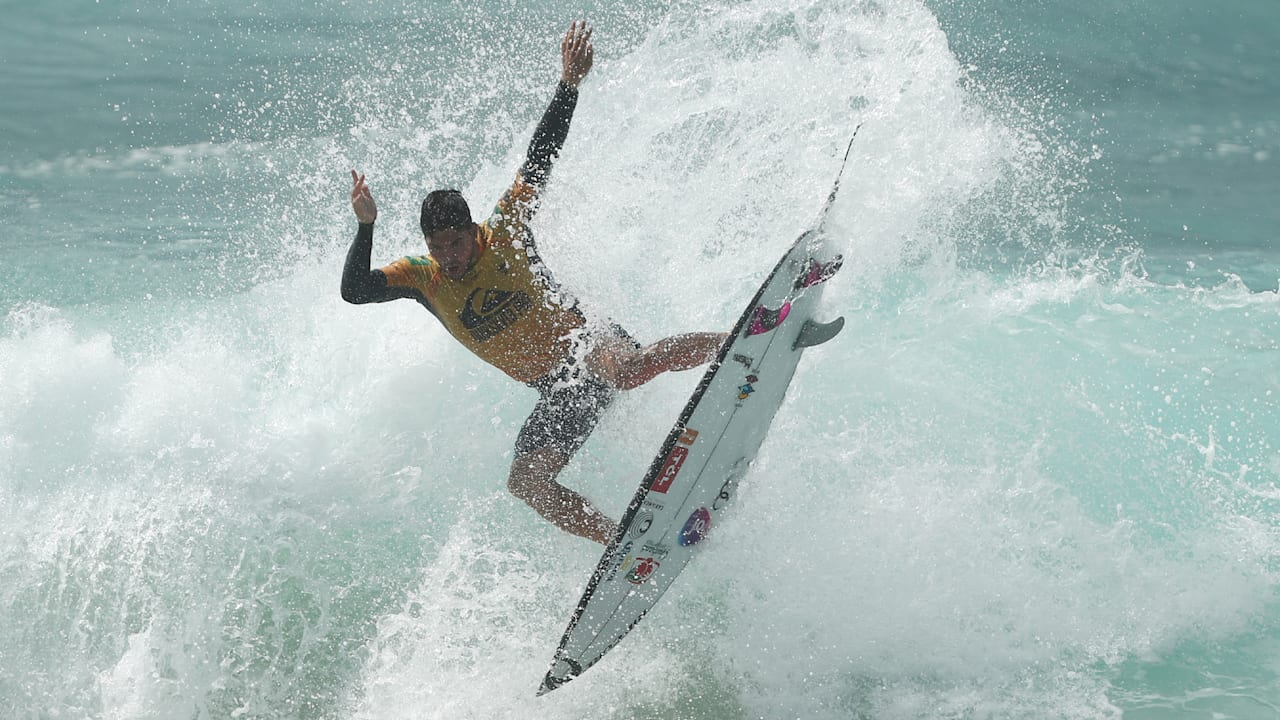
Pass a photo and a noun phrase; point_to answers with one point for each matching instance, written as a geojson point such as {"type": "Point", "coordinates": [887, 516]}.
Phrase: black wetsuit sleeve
{"type": "Point", "coordinates": [550, 135]}
{"type": "Point", "coordinates": [360, 284]}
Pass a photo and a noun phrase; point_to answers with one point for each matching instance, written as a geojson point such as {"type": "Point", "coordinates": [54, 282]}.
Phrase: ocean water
{"type": "Point", "coordinates": [1035, 477]}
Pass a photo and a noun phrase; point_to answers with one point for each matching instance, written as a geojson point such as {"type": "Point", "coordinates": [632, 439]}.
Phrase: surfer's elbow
{"type": "Point", "coordinates": [362, 294]}
{"type": "Point", "coordinates": [359, 287]}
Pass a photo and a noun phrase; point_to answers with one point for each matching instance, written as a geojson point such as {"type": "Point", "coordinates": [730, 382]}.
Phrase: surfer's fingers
{"type": "Point", "coordinates": [577, 35]}
{"type": "Point", "coordinates": [582, 52]}
{"type": "Point", "coordinates": [570, 36]}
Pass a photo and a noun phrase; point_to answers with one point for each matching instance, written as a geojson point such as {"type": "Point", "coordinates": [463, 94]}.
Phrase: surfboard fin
{"type": "Point", "coordinates": [815, 333]}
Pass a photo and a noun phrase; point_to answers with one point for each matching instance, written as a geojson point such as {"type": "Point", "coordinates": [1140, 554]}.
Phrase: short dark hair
{"type": "Point", "coordinates": [443, 210]}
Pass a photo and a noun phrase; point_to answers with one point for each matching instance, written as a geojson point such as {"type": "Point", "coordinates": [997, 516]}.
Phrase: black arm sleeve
{"type": "Point", "coordinates": [359, 283]}
{"type": "Point", "coordinates": [550, 135]}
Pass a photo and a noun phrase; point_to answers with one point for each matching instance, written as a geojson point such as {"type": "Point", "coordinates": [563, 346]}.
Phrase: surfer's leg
{"type": "Point", "coordinates": [533, 480]}
{"type": "Point", "coordinates": [625, 367]}
{"type": "Point", "coordinates": [560, 423]}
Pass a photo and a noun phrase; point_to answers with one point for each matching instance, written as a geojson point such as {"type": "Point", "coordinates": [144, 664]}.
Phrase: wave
{"type": "Point", "coordinates": [1028, 478]}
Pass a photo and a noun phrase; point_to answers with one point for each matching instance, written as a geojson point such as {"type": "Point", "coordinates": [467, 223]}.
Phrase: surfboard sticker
{"type": "Point", "coordinates": [695, 474]}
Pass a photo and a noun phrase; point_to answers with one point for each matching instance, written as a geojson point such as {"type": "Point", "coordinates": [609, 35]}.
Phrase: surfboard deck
{"type": "Point", "coordinates": [696, 472]}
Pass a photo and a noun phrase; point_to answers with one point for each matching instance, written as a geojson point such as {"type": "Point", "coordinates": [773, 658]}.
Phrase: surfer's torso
{"type": "Point", "coordinates": [507, 308]}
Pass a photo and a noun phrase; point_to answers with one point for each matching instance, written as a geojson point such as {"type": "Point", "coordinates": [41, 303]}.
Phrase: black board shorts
{"type": "Point", "coordinates": [571, 400]}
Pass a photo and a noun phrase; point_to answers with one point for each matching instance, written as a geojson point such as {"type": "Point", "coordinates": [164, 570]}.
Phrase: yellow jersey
{"type": "Point", "coordinates": [507, 309]}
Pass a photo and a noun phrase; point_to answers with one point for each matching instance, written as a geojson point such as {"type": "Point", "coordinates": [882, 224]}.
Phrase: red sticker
{"type": "Point", "coordinates": [643, 568]}
{"type": "Point", "coordinates": [670, 469]}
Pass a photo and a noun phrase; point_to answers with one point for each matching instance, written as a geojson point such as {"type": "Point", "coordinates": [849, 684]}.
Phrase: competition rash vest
{"type": "Point", "coordinates": [507, 309]}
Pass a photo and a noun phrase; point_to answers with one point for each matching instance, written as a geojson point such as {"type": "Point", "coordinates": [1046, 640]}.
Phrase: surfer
{"type": "Point", "coordinates": [486, 284]}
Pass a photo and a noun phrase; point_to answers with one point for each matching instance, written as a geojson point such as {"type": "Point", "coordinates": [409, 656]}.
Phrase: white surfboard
{"type": "Point", "coordinates": [711, 447]}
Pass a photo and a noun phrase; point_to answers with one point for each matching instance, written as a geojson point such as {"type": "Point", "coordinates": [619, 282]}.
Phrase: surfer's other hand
{"type": "Point", "coordinates": [362, 199]}
{"type": "Point", "coordinates": [576, 53]}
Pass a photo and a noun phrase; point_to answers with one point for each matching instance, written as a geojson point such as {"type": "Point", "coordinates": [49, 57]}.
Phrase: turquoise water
{"type": "Point", "coordinates": [1035, 477]}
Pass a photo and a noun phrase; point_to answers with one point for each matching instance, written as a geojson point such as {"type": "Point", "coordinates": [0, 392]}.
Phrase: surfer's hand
{"type": "Point", "coordinates": [576, 53]}
{"type": "Point", "coordinates": [362, 199]}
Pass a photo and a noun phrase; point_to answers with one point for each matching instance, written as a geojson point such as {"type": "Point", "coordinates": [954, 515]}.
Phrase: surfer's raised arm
{"type": "Point", "coordinates": [360, 282]}
{"type": "Point", "coordinates": [576, 55]}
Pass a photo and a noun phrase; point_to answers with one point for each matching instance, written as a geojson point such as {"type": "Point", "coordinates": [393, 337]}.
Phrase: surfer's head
{"type": "Point", "coordinates": [449, 231]}
{"type": "Point", "coordinates": [443, 210]}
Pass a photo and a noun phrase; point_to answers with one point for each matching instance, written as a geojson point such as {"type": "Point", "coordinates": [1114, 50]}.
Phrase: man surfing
{"type": "Point", "coordinates": [486, 284]}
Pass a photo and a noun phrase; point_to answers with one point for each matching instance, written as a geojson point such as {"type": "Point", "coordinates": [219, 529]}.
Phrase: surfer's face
{"type": "Point", "coordinates": [454, 249]}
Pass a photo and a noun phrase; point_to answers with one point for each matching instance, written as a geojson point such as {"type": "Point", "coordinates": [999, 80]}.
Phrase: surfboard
{"type": "Point", "coordinates": [696, 472]}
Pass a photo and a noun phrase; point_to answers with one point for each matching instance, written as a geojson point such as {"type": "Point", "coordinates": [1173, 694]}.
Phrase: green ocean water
{"type": "Point", "coordinates": [1035, 477]}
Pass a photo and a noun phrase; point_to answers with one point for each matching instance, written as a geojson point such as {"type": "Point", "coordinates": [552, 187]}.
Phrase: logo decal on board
{"type": "Point", "coordinates": [657, 550]}
{"type": "Point", "coordinates": [688, 437]}
{"type": "Point", "coordinates": [743, 360]}
{"type": "Point", "coordinates": [670, 469]}
{"type": "Point", "coordinates": [616, 563]}
{"type": "Point", "coordinates": [744, 391]}
{"type": "Point", "coordinates": [736, 472]}
{"type": "Point", "coordinates": [641, 525]}
{"type": "Point", "coordinates": [642, 570]}
{"type": "Point", "coordinates": [695, 528]}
